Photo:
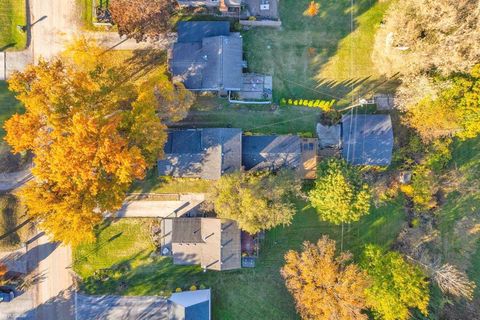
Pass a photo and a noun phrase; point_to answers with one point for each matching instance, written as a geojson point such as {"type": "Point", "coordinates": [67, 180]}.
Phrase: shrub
{"type": "Point", "coordinates": [310, 103]}
{"type": "Point", "coordinates": [407, 189]}
{"type": "Point", "coordinates": [178, 290]}
{"type": "Point", "coordinates": [283, 101]}
{"type": "Point", "coordinates": [193, 288]}
{"type": "Point", "coordinates": [202, 286]}
{"type": "Point", "coordinates": [290, 101]}
{"type": "Point", "coordinates": [295, 102]}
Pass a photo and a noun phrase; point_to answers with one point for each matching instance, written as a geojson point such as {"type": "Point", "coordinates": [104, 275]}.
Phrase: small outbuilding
{"type": "Point", "coordinates": [367, 139]}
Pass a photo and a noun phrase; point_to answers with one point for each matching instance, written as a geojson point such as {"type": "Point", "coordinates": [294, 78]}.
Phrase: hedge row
{"type": "Point", "coordinates": [322, 104]}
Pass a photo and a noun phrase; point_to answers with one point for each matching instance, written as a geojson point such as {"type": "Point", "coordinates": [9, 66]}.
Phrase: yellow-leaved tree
{"type": "Point", "coordinates": [91, 134]}
{"type": "Point", "coordinates": [323, 284]}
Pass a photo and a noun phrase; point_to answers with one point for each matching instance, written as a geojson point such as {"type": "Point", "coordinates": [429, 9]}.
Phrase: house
{"type": "Point", "coordinates": [367, 139]}
{"type": "Point", "coordinates": [271, 152]}
{"type": "Point", "coordinates": [207, 57]}
{"type": "Point", "coordinates": [180, 306]}
{"type": "Point", "coordinates": [201, 153]}
{"type": "Point", "coordinates": [212, 243]}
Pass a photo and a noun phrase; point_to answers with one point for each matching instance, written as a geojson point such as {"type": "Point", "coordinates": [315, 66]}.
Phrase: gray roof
{"type": "Point", "coordinates": [186, 305]}
{"type": "Point", "coordinates": [121, 307]}
{"type": "Point", "coordinates": [210, 61]}
{"type": "Point", "coordinates": [201, 153]}
{"type": "Point", "coordinates": [195, 31]}
{"type": "Point", "coordinates": [367, 139]}
{"type": "Point", "coordinates": [212, 243]}
{"type": "Point", "coordinates": [271, 152]}
{"type": "Point", "coordinates": [191, 305]}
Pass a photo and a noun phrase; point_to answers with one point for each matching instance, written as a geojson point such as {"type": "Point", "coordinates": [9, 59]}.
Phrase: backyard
{"type": "Point", "coordinates": [12, 13]}
{"type": "Point", "coordinates": [319, 57]}
{"type": "Point", "coordinates": [258, 293]}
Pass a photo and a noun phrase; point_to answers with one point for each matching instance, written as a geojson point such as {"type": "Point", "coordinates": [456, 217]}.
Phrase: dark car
{"type": "Point", "coordinates": [6, 294]}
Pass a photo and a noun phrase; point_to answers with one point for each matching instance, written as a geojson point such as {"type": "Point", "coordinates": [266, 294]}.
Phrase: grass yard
{"type": "Point", "coordinates": [257, 293]}
{"type": "Point", "coordinates": [11, 215]}
{"type": "Point", "coordinates": [319, 57]}
{"type": "Point", "coordinates": [254, 119]}
{"type": "Point", "coordinates": [155, 184]}
{"type": "Point", "coordinates": [8, 106]}
{"type": "Point", "coordinates": [12, 13]}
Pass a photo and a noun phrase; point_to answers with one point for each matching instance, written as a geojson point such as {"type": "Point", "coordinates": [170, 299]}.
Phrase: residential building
{"type": "Point", "coordinates": [185, 305]}
{"type": "Point", "coordinates": [271, 152]}
{"type": "Point", "coordinates": [367, 139]}
{"type": "Point", "coordinates": [202, 153]}
{"type": "Point", "coordinates": [208, 57]}
{"type": "Point", "coordinates": [212, 243]}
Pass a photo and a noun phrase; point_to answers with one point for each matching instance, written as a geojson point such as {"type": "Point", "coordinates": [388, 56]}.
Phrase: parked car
{"type": "Point", "coordinates": [6, 294]}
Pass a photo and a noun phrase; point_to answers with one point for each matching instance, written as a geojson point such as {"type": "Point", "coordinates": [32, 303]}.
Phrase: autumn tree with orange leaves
{"type": "Point", "coordinates": [312, 10]}
{"type": "Point", "coordinates": [92, 134]}
{"type": "Point", "coordinates": [323, 284]}
{"type": "Point", "coordinates": [143, 19]}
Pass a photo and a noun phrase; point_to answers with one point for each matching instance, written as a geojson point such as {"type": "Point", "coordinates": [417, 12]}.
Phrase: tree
{"type": "Point", "coordinates": [339, 195]}
{"type": "Point", "coordinates": [91, 136]}
{"type": "Point", "coordinates": [323, 285]}
{"type": "Point", "coordinates": [422, 35]}
{"type": "Point", "coordinates": [396, 285]}
{"type": "Point", "coordinates": [312, 10]}
{"type": "Point", "coordinates": [453, 111]}
{"type": "Point", "coordinates": [143, 19]}
{"type": "Point", "coordinates": [257, 201]}
{"type": "Point", "coordinates": [172, 100]}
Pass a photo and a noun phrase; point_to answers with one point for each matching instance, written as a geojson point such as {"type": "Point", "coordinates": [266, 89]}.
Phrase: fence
{"type": "Point", "coordinates": [261, 23]}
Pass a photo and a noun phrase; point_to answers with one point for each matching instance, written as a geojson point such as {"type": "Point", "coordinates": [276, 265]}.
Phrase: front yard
{"type": "Point", "coordinates": [258, 293]}
{"type": "Point", "coordinates": [12, 13]}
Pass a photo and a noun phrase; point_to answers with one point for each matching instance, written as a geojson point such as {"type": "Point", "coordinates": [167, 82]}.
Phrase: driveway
{"type": "Point", "coordinates": [55, 23]}
{"type": "Point", "coordinates": [53, 291]}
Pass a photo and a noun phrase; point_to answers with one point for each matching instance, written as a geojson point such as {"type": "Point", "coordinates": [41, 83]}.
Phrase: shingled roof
{"type": "Point", "coordinates": [201, 153]}
{"type": "Point", "coordinates": [367, 139]}
{"type": "Point", "coordinates": [207, 56]}
{"type": "Point", "coordinates": [271, 152]}
{"type": "Point", "coordinates": [210, 242]}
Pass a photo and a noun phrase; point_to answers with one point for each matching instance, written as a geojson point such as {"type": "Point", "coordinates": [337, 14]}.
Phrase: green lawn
{"type": "Point", "coordinates": [155, 184]}
{"type": "Point", "coordinates": [11, 215]}
{"type": "Point", "coordinates": [318, 57]}
{"type": "Point", "coordinates": [12, 13]}
{"type": "Point", "coordinates": [257, 293]}
{"type": "Point", "coordinates": [8, 106]}
{"type": "Point", "coordinates": [254, 119]}
{"type": "Point", "coordinates": [460, 243]}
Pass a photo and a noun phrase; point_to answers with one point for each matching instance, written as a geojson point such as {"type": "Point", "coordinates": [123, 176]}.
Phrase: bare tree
{"type": "Point", "coordinates": [453, 281]}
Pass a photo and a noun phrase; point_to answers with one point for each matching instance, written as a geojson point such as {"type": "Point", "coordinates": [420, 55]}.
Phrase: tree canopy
{"type": "Point", "coordinates": [453, 109]}
{"type": "Point", "coordinates": [396, 285]}
{"type": "Point", "coordinates": [340, 195]}
{"type": "Point", "coordinates": [257, 201]}
{"type": "Point", "coordinates": [143, 19]}
{"type": "Point", "coordinates": [91, 135]}
{"type": "Point", "coordinates": [423, 35]}
{"type": "Point", "coordinates": [323, 284]}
